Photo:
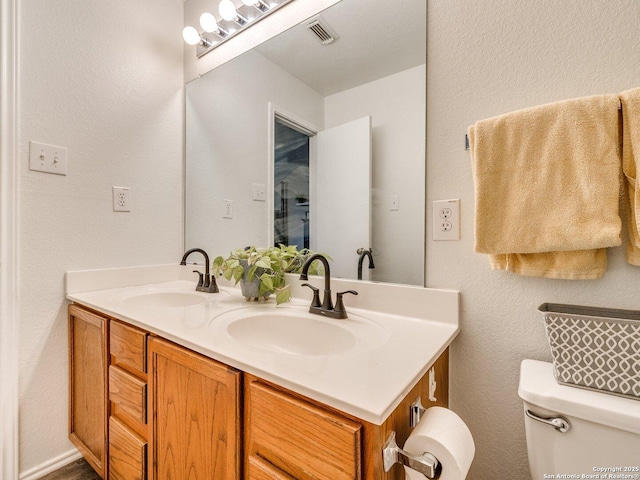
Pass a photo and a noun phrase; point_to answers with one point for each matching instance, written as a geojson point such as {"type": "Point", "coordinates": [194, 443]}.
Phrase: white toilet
{"type": "Point", "coordinates": [603, 431]}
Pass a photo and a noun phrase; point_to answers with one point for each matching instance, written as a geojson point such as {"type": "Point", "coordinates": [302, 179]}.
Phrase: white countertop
{"type": "Point", "coordinates": [368, 383]}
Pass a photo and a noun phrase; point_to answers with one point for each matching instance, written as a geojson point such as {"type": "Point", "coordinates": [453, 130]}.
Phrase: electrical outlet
{"type": "Point", "coordinates": [259, 192]}
{"type": "Point", "coordinates": [445, 213]}
{"type": "Point", "coordinates": [121, 199]}
{"type": "Point", "coordinates": [228, 209]}
{"type": "Point", "coordinates": [446, 219]}
{"type": "Point", "coordinates": [47, 158]}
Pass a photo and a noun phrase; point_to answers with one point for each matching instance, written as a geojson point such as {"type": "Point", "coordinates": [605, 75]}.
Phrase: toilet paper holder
{"type": "Point", "coordinates": [426, 464]}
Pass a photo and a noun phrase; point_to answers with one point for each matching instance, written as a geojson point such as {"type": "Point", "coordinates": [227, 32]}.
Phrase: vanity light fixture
{"type": "Point", "coordinates": [192, 37]}
{"type": "Point", "coordinates": [259, 4]}
{"type": "Point", "coordinates": [234, 20]}
{"type": "Point", "coordinates": [229, 12]}
{"type": "Point", "coordinates": [210, 25]}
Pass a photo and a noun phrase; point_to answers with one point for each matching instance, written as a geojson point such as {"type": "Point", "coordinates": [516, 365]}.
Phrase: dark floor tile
{"type": "Point", "coordinates": [78, 470]}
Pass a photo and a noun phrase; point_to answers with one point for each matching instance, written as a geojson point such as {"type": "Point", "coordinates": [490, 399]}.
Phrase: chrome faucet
{"type": "Point", "coordinates": [206, 283]}
{"type": "Point", "coordinates": [325, 308]}
{"type": "Point", "coordinates": [363, 252]}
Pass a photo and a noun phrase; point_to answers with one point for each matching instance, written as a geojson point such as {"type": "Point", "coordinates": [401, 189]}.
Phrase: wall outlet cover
{"type": "Point", "coordinates": [446, 219]}
{"type": "Point", "coordinates": [121, 199]}
{"type": "Point", "coordinates": [228, 209]}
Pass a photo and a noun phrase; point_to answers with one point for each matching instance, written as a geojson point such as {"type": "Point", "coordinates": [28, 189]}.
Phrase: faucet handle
{"type": "Point", "coordinates": [316, 295]}
{"type": "Point", "coordinates": [340, 304]}
{"type": "Point", "coordinates": [200, 278]}
{"type": "Point", "coordinates": [213, 286]}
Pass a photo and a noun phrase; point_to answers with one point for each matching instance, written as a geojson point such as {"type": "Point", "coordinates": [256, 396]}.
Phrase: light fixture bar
{"type": "Point", "coordinates": [247, 15]}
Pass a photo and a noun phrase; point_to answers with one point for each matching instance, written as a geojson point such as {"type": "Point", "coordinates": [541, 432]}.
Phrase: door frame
{"type": "Point", "coordinates": [299, 124]}
{"type": "Point", "coordinates": [9, 307]}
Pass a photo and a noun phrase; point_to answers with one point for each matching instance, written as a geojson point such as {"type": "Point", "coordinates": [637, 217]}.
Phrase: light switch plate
{"type": "Point", "coordinates": [47, 158]}
{"type": "Point", "coordinates": [446, 219]}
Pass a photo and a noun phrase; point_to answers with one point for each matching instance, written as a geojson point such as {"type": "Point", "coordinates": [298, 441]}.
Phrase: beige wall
{"type": "Point", "coordinates": [487, 58]}
{"type": "Point", "coordinates": [103, 79]}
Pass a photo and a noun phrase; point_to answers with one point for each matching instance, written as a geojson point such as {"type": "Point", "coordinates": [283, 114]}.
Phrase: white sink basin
{"type": "Point", "coordinates": [295, 331]}
{"type": "Point", "coordinates": [167, 297]}
{"type": "Point", "coordinates": [165, 300]}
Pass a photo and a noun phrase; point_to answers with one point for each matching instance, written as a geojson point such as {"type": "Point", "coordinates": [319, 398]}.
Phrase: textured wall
{"type": "Point", "coordinates": [484, 59]}
{"type": "Point", "coordinates": [105, 80]}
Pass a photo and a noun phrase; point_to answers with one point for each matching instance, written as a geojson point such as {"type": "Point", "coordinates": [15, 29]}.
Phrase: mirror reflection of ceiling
{"type": "Point", "coordinates": [376, 39]}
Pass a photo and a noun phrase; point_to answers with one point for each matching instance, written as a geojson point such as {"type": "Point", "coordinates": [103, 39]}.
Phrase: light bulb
{"type": "Point", "coordinates": [208, 22]}
{"type": "Point", "coordinates": [191, 36]}
{"type": "Point", "coordinates": [228, 10]}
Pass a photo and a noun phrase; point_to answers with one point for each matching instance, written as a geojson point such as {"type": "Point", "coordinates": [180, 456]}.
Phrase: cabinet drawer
{"type": "Point", "coordinates": [259, 469]}
{"type": "Point", "coordinates": [127, 453]}
{"type": "Point", "coordinates": [301, 439]}
{"type": "Point", "coordinates": [128, 393]}
{"type": "Point", "coordinates": [128, 347]}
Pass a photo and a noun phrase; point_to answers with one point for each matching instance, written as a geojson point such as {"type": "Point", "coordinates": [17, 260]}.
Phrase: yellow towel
{"type": "Point", "coordinates": [630, 101]}
{"type": "Point", "coordinates": [547, 181]}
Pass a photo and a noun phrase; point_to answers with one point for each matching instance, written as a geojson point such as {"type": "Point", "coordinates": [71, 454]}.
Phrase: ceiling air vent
{"type": "Point", "coordinates": [322, 31]}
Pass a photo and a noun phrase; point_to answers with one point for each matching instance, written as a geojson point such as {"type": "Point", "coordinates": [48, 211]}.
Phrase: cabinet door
{"type": "Point", "coordinates": [298, 437]}
{"type": "Point", "coordinates": [88, 360]}
{"type": "Point", "coordinates": [194, 404]}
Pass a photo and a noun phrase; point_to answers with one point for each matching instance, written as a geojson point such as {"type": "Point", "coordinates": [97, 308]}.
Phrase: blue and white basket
{"type": "Point", "coordinates": [595, 348]}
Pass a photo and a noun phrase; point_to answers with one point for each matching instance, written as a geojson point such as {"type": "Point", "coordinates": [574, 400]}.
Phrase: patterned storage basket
{"type": "Point", "coordinates": [595, 348]}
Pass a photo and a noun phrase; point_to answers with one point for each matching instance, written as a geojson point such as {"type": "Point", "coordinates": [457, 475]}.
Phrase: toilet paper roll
{"type": "Point", "coordinates": [443, 434]}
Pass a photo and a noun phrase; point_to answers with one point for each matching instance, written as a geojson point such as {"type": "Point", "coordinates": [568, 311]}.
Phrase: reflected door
{"type": "Point", "coordinates": [291, 186]}
{"type": "Point", "coordinates": [341, 204]}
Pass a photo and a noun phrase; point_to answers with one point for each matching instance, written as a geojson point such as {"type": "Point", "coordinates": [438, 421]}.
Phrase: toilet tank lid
{"type": "Point", "coordinates": [538, 386]}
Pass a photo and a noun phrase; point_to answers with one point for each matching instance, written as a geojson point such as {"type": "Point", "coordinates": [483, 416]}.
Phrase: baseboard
{"type": "Point", "coordinates": [51, 465]}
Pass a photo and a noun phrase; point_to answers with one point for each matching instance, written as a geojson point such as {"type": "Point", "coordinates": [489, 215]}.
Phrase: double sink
{"type": "Point", "coordinates": [286, 329]}
{"type": "Point", "coordinates": [362, 365]}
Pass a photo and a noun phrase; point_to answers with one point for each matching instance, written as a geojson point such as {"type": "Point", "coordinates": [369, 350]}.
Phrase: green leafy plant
{"type": "Point", "coordinates": [267, 264]}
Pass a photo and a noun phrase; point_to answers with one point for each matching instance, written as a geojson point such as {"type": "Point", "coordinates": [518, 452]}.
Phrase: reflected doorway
{"type": "Point", "coordinates": [291, 184]}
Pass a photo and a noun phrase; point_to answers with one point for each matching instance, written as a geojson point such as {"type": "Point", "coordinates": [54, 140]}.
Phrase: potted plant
{"type": "Point", "coordinates": [261, 271]}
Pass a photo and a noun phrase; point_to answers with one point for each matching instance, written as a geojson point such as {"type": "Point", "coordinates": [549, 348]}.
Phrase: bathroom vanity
{"type": "Point", "coordinates": [156, 391]}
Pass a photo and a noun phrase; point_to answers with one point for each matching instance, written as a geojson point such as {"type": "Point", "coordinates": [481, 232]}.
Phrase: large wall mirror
{"type": "Point", "coordinates": [317, 144]}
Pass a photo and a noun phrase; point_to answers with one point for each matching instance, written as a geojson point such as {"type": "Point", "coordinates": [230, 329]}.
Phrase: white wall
{"type": "Point", "coordinates": [397, 107]}
{"type": "Point", "coordinates": [105, 80]}
{"type": "Point", "coordinates": [484, 59]}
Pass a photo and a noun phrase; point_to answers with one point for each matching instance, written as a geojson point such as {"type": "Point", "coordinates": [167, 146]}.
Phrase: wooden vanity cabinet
{"type": "Point", "coordinates": [142, 407]}
{"type": "Point", "coordinates": [88, 404]}
{"type": "Point", "coordinates": [290, 437]}
{"type": "Point", "coordinates": [194, 404]}
{"type": "Point", "coordinates": [128, 427]}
